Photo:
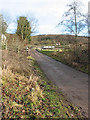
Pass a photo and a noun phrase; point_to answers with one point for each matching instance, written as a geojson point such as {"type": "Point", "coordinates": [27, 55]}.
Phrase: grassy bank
{"type": "Point", "coordinates": [79, 62]}
{"type": "Point", "coordinates": [26, 92]}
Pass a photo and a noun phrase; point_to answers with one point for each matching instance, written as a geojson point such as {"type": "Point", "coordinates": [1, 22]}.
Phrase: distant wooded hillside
{"type": "Point", "coordinates": [49, 39]}
{"type": "Point", "coordinates": [53, 39]}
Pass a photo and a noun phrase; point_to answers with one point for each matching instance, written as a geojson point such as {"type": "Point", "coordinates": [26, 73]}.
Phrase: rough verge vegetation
{"type": "Point", "coordinates": [26, 92]}
{"type": "Point", "coordinates": [79, 61]}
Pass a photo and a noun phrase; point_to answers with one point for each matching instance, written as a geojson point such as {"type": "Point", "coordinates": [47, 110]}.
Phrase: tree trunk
{"type": "Point", "coordinates": [75, 28]}
{"type": "Point", "coordinates": [22, 35]}
{"type": "Point", "coordinates": [75, 15]}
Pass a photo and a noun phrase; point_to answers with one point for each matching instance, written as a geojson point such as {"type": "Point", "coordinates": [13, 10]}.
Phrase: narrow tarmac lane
{"type": "Point", "coordinates": [73, 83]}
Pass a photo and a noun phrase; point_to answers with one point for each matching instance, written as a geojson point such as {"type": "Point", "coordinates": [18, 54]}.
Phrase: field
{"type": "Point", "coordinates": [78, 60]}
{"type": "Point", "coordinates": [71, 51]}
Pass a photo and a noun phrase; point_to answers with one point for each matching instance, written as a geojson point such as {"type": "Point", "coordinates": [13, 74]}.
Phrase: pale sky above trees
{"type": "Point", "coordinates": [47, 12]}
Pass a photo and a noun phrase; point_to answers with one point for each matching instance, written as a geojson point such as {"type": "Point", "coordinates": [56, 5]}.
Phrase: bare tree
{"type": "Point", "coordinates": [74, 21]}
{"type": "Point", "coordinates": [33, 22]}
{"type": "Point", "coordinates": [89, 18]}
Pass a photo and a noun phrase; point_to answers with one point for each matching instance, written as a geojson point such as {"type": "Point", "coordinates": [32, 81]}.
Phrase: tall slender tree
{"type": "Point", "coordinates": [74, 21]}
{"type": "Point", "coordinates": [24, 28]}
{"type": "Point", "coordinates": [89, 18]}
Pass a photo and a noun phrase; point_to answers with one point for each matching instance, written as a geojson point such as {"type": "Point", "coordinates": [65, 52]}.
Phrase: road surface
{"type": "Point", "coordinates": [73, 83]}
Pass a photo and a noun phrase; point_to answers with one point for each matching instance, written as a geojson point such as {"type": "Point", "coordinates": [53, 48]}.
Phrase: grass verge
{"type": "Point", "coordinates": [26, 92]}
{"type": "Point", "coordinates": [68, 58]}
{"type": "Point", "coordinates": [58, 106]}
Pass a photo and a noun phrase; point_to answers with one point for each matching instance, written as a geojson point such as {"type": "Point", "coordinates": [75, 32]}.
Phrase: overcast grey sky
{"type": "Point", "coordinates": [47, 12]}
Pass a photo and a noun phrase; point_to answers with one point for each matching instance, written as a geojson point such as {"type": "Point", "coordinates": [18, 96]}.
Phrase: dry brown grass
{"type": "Point", "coordinates": [19, 84]}
{"type": "Point", "coordinates": [17, 62]}
{"type": "Point", "coordinates": [26, 92]}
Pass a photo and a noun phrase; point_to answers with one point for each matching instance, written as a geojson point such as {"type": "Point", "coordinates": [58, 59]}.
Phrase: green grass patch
{"type": "Point", "coordinates": [30, 58]}
{"type": "Point", "coordinates": [68, 58]}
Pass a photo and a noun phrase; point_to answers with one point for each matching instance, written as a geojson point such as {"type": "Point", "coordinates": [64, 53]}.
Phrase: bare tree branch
{"type": "Point", "coordinates": [74, 21]}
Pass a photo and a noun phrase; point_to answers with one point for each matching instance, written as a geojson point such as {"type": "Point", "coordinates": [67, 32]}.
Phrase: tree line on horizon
{"type": "Point", "coordinates": [73, 20]}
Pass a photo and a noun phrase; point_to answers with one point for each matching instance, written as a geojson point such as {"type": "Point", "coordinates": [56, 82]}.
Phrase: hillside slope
{"type": "Point", "coordinates": [53, 39]}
